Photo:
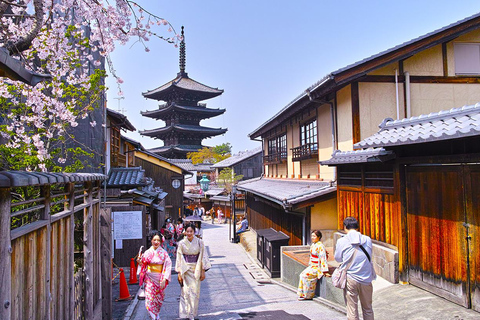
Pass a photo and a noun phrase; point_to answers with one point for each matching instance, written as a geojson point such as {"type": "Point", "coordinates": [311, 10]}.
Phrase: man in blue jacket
{"type": "Point", "coordinates": [360, 273]}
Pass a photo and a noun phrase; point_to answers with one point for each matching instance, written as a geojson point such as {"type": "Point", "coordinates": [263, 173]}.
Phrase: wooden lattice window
{"type": "Point", "coordinates": [114, 145]}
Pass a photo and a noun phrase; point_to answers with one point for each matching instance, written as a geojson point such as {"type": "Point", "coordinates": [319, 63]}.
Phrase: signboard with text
{"type": "Point", "coordinates": [127, 225]}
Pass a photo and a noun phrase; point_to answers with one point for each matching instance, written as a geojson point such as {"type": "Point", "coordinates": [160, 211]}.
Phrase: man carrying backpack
{"type": "Point", "coordinates": [360, 274]}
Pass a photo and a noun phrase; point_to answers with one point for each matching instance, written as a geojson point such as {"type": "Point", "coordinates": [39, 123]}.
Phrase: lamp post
{"type": "Point", "coordinates": [204, 185]}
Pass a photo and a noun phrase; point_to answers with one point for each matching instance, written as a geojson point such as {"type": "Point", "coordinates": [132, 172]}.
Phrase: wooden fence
{"type": "Point", "coordinates": [51, 227]}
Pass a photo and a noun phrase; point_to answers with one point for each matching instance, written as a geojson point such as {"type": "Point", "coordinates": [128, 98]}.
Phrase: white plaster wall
{"type": "Point", "coordinates": [324, 215]}
{"type": "Point", "coordinates": [309, 168]}
{"type": "Point", "coordinates": [428, 62]}
{"type": "Point", "coordinates": [427, 98]}
{"type": "Point", "coordinates": [325, 148]}
{"type": "Point", "coordinates": [377, 102]}
{"type": "Point", "coordinates": [282, 170]}
{"type": "Point", "coordinates": [388, 70]}
{"type": "Point", "coordinates": [344, 119]}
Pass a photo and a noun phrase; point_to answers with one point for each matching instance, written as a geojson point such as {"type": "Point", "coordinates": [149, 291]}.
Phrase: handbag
{"type": "Point", "coordinates": [339, 276]}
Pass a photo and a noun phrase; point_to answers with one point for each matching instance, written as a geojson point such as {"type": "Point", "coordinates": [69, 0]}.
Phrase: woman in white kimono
{"type": "Point", "coordinates": [191, 264]}
{"type": "Point", "coordinates": [317, 268]}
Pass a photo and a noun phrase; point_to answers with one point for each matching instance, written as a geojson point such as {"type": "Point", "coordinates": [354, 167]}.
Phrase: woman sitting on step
{"type": "Point", "coordinates": [317, 266]}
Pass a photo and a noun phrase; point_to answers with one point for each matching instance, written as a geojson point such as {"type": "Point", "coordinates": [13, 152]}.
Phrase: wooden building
{"type": "Point", "coordinates": [166, 174]}
{"type": "Point", "coordinates": [248, 163]}
{"type": "Point", "coordinates": [418, 189]}
{"type": "Point", "coordinates": [437, 71]}
{"type": "Point", "coordinates": [182, 113]}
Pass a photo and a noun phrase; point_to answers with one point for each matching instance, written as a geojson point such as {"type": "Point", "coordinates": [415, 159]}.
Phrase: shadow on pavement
{"type": "Point", "coordinates": [229, 291]}
{"type": "Point", "coordinates": [277, 314]}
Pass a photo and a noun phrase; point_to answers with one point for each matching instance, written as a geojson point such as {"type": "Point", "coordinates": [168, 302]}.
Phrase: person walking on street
{"type": "Point", "coordinates": [191, 264]}
{"type": "Point", "coordinates": [155, 271]}
{"type": "Point", "coordinates": [317, 267]}
{"type": "Point", "coordinates": [360, 275]}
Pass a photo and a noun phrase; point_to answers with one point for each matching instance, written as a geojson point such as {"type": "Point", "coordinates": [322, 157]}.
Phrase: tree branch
{"type": "Point", "coordinates": [24, 43]}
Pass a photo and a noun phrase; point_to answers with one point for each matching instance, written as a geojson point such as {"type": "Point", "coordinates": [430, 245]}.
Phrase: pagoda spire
{"type": "Point", "coordinates": [183, 55]}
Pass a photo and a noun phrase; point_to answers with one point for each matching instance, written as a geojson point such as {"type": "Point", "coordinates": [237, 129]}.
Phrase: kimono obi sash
{"type": "Point", "coordinates": [313, 258]}
{"type": "Point", "coordinates": [155, 268]}
{"type": "Point", "coordinates": [191, 258]}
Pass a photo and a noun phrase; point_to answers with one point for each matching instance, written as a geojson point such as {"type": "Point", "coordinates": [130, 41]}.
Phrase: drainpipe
{"type": "Point", "coordinates": [396, 94]}
{"type": "Point", "coordinates": [407, 94]}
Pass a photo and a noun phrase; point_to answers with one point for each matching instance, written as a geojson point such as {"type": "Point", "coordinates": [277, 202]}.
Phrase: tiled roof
{"type": "Point", "coordinates": [214, 191]}
{"type": "Point", "coordinates": [120, 120]}
{"type": "Point", "coordinates": [286, 192]}
{"type": "Point", "coordinates": [187, 148]}
{"type": "Point", "coordinates": [167, 109]}
{"type": "Point", "coordinates": [358, 156]}
{"type": "Point", "coordinates": [444, 125]}
{"type": "Point", "coordinates": [182, 82]}
{"type": "Point", "coordinates": [187, 164]}
{"type": "Point", "coordinates": [126, 177]}
{"type": "Point", "coordinates": [236, 158]}
{"type": "Point", "coordinates": [23, 178]}
{"type": "Point", "coordinates": [185, 128]}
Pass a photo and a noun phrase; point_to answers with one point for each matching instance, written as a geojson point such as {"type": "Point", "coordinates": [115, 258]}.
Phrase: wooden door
{"type": "Point", "coordinates": [472, 175]}
{"type": "Point", "coordinates": [437, 246]}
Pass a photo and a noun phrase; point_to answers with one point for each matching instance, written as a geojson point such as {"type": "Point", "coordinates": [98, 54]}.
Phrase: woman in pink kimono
{"type": "Point", "coordinates": [155, 272]}
{"type": "Point", "coordinates": [191, 264]}
{"type": "Point", "coordinates": [317, 266]}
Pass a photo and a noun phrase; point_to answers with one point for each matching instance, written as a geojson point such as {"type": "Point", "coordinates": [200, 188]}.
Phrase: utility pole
{"type": "Point", "coordinates": [122, 111]}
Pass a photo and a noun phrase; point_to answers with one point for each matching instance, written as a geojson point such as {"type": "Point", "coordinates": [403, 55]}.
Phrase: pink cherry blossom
{"type": "Point", "coordinates": [94, 28]}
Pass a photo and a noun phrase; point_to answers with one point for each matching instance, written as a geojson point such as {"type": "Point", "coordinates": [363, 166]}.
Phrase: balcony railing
{"type": "Point", "coordinates": [275, 158]}
{"type": "Point", "coordinates": [305, 151]}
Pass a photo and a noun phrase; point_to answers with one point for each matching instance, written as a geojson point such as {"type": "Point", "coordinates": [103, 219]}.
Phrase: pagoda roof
{"type": "Point", "coordinates": [178, 148]}
{"type": "Point", "coordinates": [184, 128]}
{"type": "Point", "coordinates": [163, 110]}
{"type": "Point", "coordinates": [182, 85]}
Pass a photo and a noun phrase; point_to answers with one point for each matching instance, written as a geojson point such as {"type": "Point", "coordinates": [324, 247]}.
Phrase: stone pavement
{"type": "Point", "coordinates": [236, 288]}
{"type": "Point", "coordinates": [230, 290]}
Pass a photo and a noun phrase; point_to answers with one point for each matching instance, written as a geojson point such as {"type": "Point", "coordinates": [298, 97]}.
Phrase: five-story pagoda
{"type": "Point", "coordinates": [182, 113]}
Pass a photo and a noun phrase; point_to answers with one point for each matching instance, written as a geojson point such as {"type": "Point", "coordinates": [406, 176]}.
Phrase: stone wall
{"type": "Point", "coordinates": [291, 269]}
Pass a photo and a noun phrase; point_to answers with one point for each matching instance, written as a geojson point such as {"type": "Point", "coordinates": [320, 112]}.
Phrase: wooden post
{"type": "Point", "coordinates": [5, 254]}
{"type": "Point", "coordinates": [106, 261]}
{"type": "Point", "coordinates": [70, 188]}
{"type": "Point", "coordinates": [45, 215]}
{"type": "Point", "coordinates": [87, 251]}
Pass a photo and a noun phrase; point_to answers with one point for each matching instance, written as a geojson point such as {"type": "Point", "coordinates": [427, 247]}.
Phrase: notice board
{"type": "Point", "coordinates": [127, 225]}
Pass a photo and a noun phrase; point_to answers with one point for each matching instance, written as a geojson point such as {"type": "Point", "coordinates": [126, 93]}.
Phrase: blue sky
{"type": "Point", "coordinates": [265, 53]}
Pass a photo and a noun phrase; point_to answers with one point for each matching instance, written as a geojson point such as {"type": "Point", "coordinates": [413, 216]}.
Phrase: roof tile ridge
{"type": "Point", "coordinates": [389, 123]}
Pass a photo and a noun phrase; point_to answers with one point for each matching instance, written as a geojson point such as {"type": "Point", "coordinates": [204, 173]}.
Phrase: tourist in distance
{"type": "Point", "coordinates": [179, 230]}
{"type": "Point", "coordinates": [169, 244]}
{"type": "Point", "coordinates": [242, 225]}
{"type": "Point", "coordinates": [191, 264]}
{"type": "Point", "coordinates": [155, 272]}
{"type": "Point", "coordinates": [360, 274]}
{"type": "Point", "coordinates": [317, 268]}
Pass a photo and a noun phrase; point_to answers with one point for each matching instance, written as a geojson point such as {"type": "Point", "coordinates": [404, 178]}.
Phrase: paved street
{"type": "Point", "coordinates": [231, 292]}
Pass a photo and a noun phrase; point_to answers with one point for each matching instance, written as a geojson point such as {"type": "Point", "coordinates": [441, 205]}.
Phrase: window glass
{"type": "Point", "coordinates": [467, 58]}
